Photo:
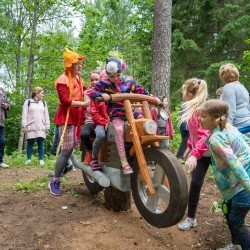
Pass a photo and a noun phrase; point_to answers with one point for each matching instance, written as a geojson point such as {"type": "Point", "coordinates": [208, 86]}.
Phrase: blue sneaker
{"type": "Point", "coordinates": [54, 187]}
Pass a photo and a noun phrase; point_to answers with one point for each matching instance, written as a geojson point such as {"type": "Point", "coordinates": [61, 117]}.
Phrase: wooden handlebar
{"type": "Point", "coordinates": [133, 97]}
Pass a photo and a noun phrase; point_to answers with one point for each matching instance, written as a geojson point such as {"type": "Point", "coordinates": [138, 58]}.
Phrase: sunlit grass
{"type": "Point", "coordinates": [17, 160]}
{"type": "Point", "coordinates": [39, 183]}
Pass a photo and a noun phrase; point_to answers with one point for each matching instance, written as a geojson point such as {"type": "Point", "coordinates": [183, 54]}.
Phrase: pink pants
{"type": "Point", "coordinates": [119, 136]}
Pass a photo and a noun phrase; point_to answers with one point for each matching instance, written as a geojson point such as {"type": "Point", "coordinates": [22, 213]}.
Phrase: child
{"type": "Point", "coordinates": [196, 155]}
{"type": "Point", "coordinates": [96, 120]}
{"type": "Point", "coordinates": [218, 92]}
{"type": "Point", "coordinates": [115, 82]}
{"type": "Point", "coordinates": [230, 156]}
{"type": "Point", "coordinates": [163, 119]}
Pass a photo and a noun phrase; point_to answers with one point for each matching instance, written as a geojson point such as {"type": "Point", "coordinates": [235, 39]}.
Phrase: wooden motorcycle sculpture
{"type": "Point", "coordinates": [158, 184]}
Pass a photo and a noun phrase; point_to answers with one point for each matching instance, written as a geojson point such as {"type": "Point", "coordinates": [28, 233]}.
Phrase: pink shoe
{"type": "Point", "coordinates": [127, 170]}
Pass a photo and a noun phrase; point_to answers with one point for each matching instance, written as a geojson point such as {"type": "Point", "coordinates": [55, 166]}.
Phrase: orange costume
{"type": "Point", "coordinates": [70, 89]}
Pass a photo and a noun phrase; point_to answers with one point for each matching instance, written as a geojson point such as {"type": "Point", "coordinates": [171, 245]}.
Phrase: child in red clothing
{"type": "Point", "coordinates": [96, 120]}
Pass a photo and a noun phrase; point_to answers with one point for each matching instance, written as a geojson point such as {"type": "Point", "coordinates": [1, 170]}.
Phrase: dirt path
{"type": "Point", "coordinates": [38, 221]}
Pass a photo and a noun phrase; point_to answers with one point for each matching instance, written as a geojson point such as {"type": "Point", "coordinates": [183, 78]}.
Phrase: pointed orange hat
{"type": "Point", "coordinates": [70, 57]}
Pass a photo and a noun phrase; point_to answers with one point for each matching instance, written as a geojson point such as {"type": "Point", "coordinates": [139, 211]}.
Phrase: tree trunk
{"type": "Point", "coordinates": [30, 71]}
{"type": "Point", "coordinates": [20, 142]}
{"type": "Point", "coordinates": [161, 48]}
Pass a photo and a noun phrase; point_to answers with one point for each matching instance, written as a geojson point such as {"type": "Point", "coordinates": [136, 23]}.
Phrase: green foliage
{"type": "Point", "coordinates": [123, 26]}
{"type": "Point", "coordinates": [220, 31]}
{"type": "Point", "coordinates": [175, 115]}
{"type": "Point", "coordinates": [39, 183]}
{"type": "Point", "coordinates": [245, 66]}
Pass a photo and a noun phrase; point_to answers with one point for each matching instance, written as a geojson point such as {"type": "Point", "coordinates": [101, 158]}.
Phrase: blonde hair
{"type": "Point", "coordinates": [218, 110]}
{"type": "Point", "coordinates": [229, 73]}
{"type": "Point", "coordinates": [35, 91]}
{"type": "Point", "coordinates": [198, 88]}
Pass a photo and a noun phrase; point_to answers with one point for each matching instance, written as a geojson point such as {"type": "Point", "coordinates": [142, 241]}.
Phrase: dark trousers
{"type": "Point", "coordinates": [197, 178]}
{"type": "Point", "coordinates": [2, 143]}
{"type": "Point", "coordinates": [40, 145]}
{"type": "Point", "coordinates": [55, 143]}
{"type": "Point", "coordinates": [238, 208]}
{"type": "Point", "coordinates": [87, 132]}
{"type": "Point", "coordinates": [183, 146]}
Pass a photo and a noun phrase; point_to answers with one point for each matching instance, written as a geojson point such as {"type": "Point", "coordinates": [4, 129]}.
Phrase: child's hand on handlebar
{"type": "Point", "coordinates": [106, 97]}
{"type": "Point", "coordinates": [158, 101]}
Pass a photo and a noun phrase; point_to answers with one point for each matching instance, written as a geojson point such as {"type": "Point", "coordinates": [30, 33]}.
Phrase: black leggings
{"type": "Point", "coordinates": [197, 178]}
{"type": "Point", "coordinates": [86, 133]}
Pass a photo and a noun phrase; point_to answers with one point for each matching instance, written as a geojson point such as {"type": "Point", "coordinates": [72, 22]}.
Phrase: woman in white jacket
{"type": "Point", "coordinates": [35, 123]}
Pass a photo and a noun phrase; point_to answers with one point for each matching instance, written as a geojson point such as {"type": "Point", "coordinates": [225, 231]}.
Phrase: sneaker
{"type": "Point", "coordinates": [88, 158]}
{"type": "Point", "coordinates": [54, 187]}
{"type": "Point", "coordinates": [3, 165]}
{"type": "Point", "coordinates": [230, 246]}
{"type": "Point", "coordinates": [41, 162]}
{"type": "Point", "coordinates": [127, 170]}
{"type": "Point", "coordinates": [95, 165]}
{"type": "Point", "coordinates": [27, 162]}
{"type": "Point", "coordinates": [187, 224]}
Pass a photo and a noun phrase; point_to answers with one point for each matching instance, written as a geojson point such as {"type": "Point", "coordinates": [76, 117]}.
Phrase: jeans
{"type": "Point", "coordinates": [55, 143]}
{"type": "Point", "coordinates": [99, 138]}
{"type": "Point", "coordinates": [2, 143]}
{"type": "Point", "coordinates": [238, 208]}
{"type": "Point", "coordinates": [40, 145]}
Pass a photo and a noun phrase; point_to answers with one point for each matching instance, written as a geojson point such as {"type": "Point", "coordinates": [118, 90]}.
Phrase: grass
{"type": "Point", "coordinates": [18, 160]}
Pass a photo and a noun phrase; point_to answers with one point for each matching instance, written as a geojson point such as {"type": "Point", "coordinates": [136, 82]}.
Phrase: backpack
{"type": "Point", "coordinates": [44, 103]}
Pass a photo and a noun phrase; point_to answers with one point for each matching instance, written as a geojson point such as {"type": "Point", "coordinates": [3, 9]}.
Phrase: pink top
{"type": "Point", "coordinates": [197, 137]}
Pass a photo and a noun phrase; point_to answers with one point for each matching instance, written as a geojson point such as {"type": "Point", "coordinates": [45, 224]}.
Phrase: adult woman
{"type": "Point", "coordinates": [236, 95]}
{"type": "Point", "coordinates": [70, 112]}
{"type": "Point", "coordinates": [35, 123]}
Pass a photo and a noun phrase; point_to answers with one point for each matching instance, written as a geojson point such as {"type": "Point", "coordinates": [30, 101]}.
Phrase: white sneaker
{"type": "Point", "coordinates": [41, 162]}
{"type": "Point", "coordinates": [187, 224]}
{"type": "Point", "coordinates": [230, 246]}
{"type": "Point", "coordinates": [27, 162]}
{"type": "Point", "coordinates": [3, 165]}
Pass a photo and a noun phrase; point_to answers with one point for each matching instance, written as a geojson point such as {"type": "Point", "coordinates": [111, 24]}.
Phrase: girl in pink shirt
{"type": "Point", "coordinates": [196, 155]}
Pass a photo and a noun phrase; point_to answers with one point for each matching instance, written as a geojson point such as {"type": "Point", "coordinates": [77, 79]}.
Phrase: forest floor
{"type": "Point", "coordinates": [77, 220]}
